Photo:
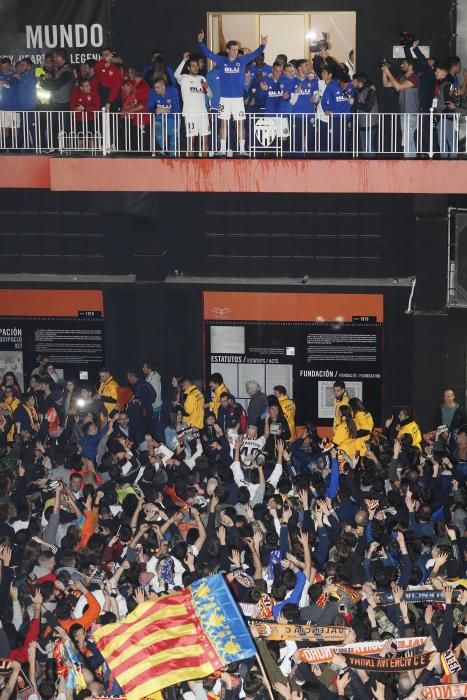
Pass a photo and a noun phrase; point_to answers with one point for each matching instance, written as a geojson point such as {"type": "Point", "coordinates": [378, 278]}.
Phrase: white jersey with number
{"type": "Point", "coordinates": [251, 448]}
{"type": "Point", "coordinates": [193, 95]}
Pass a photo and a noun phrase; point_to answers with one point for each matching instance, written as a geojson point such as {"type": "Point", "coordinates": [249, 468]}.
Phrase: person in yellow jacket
{"type": "Point", "coordinates": [345, 434]}
{"type": "Point", "coordinates": [12, 402]}
{"type": "Point", "coordinates": [108, 390]}
{"type": "Point", "coordinates": [408, 426]}
{"type": "Point", "coordinates": [193, 405]}
{"type": "Point", "coordinates": [216, 382]}
{"type": "Point", "coordinates": [364, 423]}
{"type": "Point", "coordinates": [288, 409]}
{"type": "Point", "coordinates": [341, 398]}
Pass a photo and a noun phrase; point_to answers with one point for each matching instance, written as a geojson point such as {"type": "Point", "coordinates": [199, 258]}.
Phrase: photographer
{"type": "Point", "coordinates": [365, 105]}
{"type": "Point", "coordinates": [425, 69]}
{"type": "Point", "coordinates": [407, 88]}
{"type": "Point", "coordinates": [426, 74]}
{"type": "Point", "coordinates": [446, 103]}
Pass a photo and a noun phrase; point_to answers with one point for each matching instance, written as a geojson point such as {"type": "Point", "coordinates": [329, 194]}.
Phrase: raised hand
{"type": "Point", "coordinates": [447, 590]}
{"type": "Point", "coordinates": [397, 592]}
{"type": "Point", "coordinates": [428, 614]}
{"type": "Point", "coordinates": [342, 682]}
{"type": "Point", "coordinates": [139, 596]}
{"type": "Point", "coordinates": [37, 598]}
{"type": "Point", "coordinates": [283, 690]}
{"type": "Point", "coordinates": [303, 496]}
{"type": "Point", "coordinates": [235, 558]}
{"type": "Point", "coordinates": [201, 36]}
{"type": "Point", "coordinates": [5, 555]}
{"type": "Point", "coordinates": [221, 533]}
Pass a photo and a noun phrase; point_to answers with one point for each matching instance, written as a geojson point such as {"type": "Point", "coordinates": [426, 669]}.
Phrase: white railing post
{"type": "Point", "coordinates": [105, 132]}
{"type": "Point", "coordinates": [432, 126]}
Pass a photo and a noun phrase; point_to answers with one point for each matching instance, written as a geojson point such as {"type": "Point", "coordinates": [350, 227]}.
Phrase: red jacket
{"type": "Point", "coordinates": [142, 91]}
{"type": "Point", "coordinates": [32, 635]}
{"type": "Point", "coordinates": [91, 103]}
{"type": "Point", "coordinates": [109, 76]}
{"type": "Point", "coordinates": [134, 93]}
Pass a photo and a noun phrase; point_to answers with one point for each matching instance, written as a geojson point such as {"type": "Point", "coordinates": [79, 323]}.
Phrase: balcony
{"type": "Point", "coordinates": [382, 153]}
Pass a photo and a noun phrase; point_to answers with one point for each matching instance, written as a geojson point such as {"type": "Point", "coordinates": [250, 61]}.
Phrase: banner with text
{"type": "Point", "coordinates": [67, 325]}
{"type": "Point", "coordinates": [29, 28]}
{"type": "Point", "coordinates": [304, 342]}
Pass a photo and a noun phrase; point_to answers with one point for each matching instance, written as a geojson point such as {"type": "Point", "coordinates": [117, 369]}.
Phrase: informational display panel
{"type": "Point", "coordinates": [304, 342]}
{"type": "Point", "coordinates": [67, 325]}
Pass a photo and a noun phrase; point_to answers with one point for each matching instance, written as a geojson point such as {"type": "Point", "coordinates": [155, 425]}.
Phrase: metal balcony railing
{"type": "Point", "coordinates": [259, 135]}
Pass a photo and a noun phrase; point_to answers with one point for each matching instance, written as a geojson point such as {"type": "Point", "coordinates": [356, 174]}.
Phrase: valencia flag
{"type": "Point", "coordinates": [182, 636]}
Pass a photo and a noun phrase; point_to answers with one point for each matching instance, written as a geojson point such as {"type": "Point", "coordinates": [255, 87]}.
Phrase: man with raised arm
{"type": "Point", "coordinates": [232, 83]}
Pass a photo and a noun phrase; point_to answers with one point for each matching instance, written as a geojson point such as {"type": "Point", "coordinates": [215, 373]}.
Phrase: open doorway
{"type": "Point", "coordinates": [296, 34]}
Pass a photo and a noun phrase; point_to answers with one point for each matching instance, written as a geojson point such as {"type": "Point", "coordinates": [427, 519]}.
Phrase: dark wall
{"type": "Point", "coordinates": [245, 236]}
{"type": "Point", "coordinates": [174, 24]}
{"type": "Point", "coordinates": [291, 235]}
{"type": "Point", "coordinates": [150, 235]}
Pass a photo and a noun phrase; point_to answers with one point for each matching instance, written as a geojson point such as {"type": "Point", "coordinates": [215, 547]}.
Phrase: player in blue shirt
{"type": "Point", "coordinates": [232, 82]}
{"type": "Point", "coordinates": [26, 78]}
{"type": "Point", "coordinates": [335, 103]}
{"type": "Point", "coordinates": [278, 89]}
{"type": "Point", "coordinates": [165, 103]}
{"type": "Point", "coordinates": [255, 99]}
{"type": "Point", "coordinates": [8, 102]}
{"type": "Point", "coordinates": [303, 103]}
{"type": "Point", "coordinates": [260, 68]}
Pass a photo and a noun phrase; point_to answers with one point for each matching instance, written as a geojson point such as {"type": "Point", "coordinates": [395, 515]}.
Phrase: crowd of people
{"type": "Point", "coordinates": [112, 495]}
{"type": "Point", "coordinates": [307, 106]}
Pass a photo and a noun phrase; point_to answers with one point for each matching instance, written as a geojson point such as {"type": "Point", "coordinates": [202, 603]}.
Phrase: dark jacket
{"type": "Point", "coordinates": [458, 419]}
{"type": "Point", "coordinates": [366, 103]}
{"type": "Point", "coordinates": [257, 406]}
{"type": "Point", "coordinates": [144, 393]}
{"type": "Point", "coordinates": [427, 78]}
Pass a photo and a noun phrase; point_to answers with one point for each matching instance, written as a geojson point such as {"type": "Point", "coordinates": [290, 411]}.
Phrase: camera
{"type": "Point", "coordinates": [320, 44]}
{"type": "Point", "coordinates": [455, 96]}
{"type": "Point", "coordinates": [52, 485]}
{"type": "Point", "coordinates": [383, 62]}
{"type": "Point", "coordinates": [407, 39]}
{"type": "Point", "coordinates": [188, 434]}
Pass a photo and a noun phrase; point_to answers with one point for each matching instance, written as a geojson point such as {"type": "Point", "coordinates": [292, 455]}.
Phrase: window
{"type": "Point", "coordinates": [296, 34]}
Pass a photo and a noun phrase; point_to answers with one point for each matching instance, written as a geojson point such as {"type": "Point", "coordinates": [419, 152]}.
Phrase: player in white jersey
{"type": "Point", "coordinates": [251, 447]}
{"type": "Point", "coordinates": [194, 89]}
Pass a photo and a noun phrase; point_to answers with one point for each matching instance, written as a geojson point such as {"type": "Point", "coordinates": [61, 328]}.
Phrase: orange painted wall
{"type": "Point", "coordinates": [231, 175]}
{"type": "Point", "coordinates": [48, 302]}
{"type": "Point", "coordinates": [283, 306]}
